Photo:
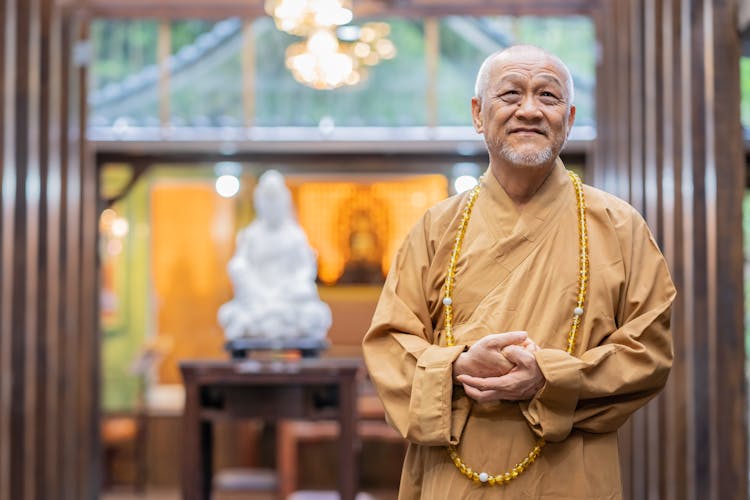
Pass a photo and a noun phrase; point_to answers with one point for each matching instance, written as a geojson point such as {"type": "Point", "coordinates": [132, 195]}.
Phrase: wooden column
{"type": "Point", "coordinates": [48, 342]}
{"type": "Point", "coordinates": [669, 141]}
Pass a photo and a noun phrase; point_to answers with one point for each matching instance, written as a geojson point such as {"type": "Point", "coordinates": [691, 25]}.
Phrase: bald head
{"type": "Point", "coordinates": [522, 53]}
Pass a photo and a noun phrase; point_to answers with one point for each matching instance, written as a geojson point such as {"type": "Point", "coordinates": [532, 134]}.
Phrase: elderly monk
{"type": "Point", "coordinates": [524, 321]}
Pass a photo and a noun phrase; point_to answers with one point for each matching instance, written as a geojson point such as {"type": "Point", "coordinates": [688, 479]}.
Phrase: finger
{"type": "Point", "coordinates": [511, 387]}
{"type": "Point", "coordinates": [506, 388]}
{"type": "Point", "coordinates": [518, 355]}
{"type": "Point", "coordinates": [501, 340]}
{"type": "Point", "coordinates": [513, 392]}
{"type": "Point", "coordinates": [530, 345]}
{"type": "Point", "coordinates": [485, 383]}
{"type": "Point", "coordinates": [479, 395]}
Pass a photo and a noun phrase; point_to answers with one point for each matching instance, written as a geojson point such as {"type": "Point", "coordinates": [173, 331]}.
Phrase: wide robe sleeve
{"type": "Point", "coordinates": [413, 376]}
{"type": "Point", "coordinates": [599, 390]}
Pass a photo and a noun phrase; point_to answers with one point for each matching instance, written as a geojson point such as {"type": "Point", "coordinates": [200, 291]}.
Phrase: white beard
{"type": "Point", "coordinates": [536, 158]}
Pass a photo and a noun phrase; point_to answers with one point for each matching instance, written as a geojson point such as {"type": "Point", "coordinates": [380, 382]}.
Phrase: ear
{"type": "Point", "coordinates": [571, 117]}
{"type": "Point", "coordinates": [476, 115]}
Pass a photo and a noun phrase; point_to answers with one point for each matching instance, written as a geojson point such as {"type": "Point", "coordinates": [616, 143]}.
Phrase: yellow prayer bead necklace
{"type": "Point", "coordinates": [450, 281]}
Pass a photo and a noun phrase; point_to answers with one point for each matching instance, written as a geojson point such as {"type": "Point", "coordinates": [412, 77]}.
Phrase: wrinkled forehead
{"type": "Point", "coordinates": [530, 65]}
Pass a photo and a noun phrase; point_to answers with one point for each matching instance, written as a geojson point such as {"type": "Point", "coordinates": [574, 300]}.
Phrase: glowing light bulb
{"type": "Point", "coordinates": [385, 48]}
{"type": "Point", "coordinates": [464, 183]}
{"type": "Point", "coordinates": [361, 50]}
{"type": "Point", "coordinates": [227, 185]}
{"type": "Point", "coordinates": [322, 42]}
{"type": "Point", "coordinates": [119, 227]}
{"type": "Point", "coordinates": [367, 34]}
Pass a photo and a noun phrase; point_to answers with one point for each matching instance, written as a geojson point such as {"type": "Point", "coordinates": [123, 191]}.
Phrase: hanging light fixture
{"type": "Point", "coordinates": [320, 63]}
{"type": "Point", "coordinates": [334, 53]}
{"type": "Point", "coordinates": [372, 44]}
{"type": "Point", "coordinates": [304, 17]}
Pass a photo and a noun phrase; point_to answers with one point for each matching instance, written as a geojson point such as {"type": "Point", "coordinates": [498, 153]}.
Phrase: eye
{"type": "Point", "coordinates": [549, 98]}
{"type": "Point", "coordinates": [511, 95]}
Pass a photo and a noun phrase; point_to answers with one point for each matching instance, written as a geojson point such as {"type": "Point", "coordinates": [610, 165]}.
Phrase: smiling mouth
{"type": "Point", "coordinates": [527, 131]}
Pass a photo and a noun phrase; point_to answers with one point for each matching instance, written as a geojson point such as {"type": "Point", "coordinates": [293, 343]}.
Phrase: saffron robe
{"type": "Point", "coordinates": [519, 271]}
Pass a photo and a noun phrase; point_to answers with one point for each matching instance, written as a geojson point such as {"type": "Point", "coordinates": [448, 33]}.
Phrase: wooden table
{"type": "Point", "coordinates": [320, 388]}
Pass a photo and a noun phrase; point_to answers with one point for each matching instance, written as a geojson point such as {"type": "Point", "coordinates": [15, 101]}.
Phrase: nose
{"type": "Point", "coordinates": [528, 108]}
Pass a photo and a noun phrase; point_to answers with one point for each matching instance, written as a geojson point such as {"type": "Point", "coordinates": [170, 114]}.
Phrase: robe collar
{"type": "Point", "coordinates": [504, 220]}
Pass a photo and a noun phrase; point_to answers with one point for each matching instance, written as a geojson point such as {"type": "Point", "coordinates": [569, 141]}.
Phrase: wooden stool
{"type": "Point", "coordinates": [290, 433]}
{"type": "Point", "coordinates": [124, 432]}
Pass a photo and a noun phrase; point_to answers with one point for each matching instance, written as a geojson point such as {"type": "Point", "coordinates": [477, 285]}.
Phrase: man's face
{"type": "Point", "coordinates": [523, 111]}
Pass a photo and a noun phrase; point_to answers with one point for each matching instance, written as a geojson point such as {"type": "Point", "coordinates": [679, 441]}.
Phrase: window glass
{"type": "Point", "coordinates": [123, 74]}
{"type": "Point", "coordinates": [207, 77]}
{"type": "Point", "coordinates": [380, 99]}
{"type": "Point", "coordinates": [206, 74]}
{"type": "Point", "coordinates": [466, 41]}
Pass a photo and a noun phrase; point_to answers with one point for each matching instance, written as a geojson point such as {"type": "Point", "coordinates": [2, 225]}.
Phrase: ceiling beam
{"type": "Point", "coordinates": [218, 9]}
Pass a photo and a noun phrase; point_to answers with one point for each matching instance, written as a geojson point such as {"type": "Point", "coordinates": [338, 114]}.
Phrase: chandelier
{"type": "Point", "coordinates": [334, 53]}
{"type": "Point", "coordinates": [303, 17]}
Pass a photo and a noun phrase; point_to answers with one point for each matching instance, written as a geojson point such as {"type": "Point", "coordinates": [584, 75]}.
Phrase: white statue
{"type": "Point", "coordinates": [273, 274]}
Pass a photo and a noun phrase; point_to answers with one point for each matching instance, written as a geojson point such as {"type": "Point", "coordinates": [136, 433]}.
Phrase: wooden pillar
{"type": "Point", "coordinates": [669, 141]}
{"type": "Point", "coordinates": [48, 342]}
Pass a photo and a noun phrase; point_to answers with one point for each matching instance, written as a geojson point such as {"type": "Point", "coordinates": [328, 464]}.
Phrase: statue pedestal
{"type": "Point", "coordinates": [307, 347]}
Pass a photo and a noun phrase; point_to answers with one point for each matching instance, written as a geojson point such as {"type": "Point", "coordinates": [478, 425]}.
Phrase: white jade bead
{"type": "Point", "coordinates": [447, 301]}
{"type": "Point", "coordinates": [578, 311]}
{"type": "Point", "coordinates": [484, 477]}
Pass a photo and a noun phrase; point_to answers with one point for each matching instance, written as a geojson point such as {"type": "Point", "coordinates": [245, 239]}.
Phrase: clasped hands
{"type": "Point", "coordinates": [500, 366]}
